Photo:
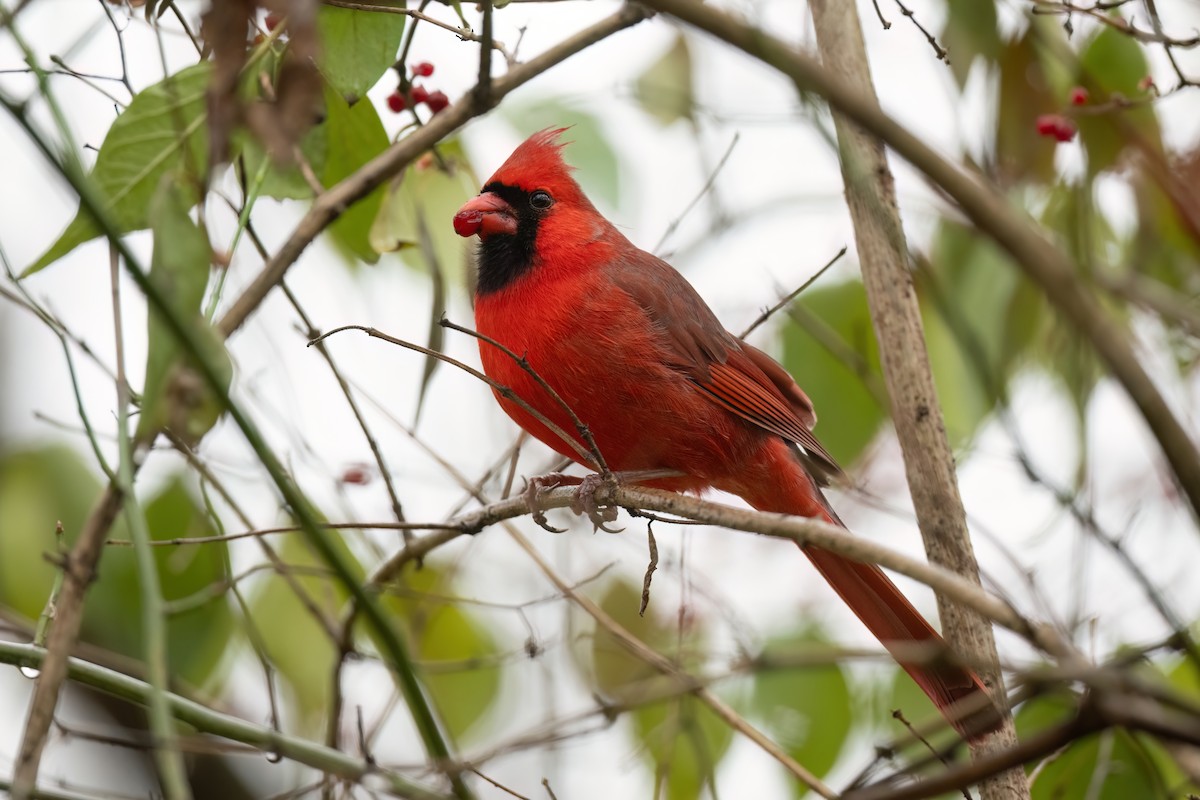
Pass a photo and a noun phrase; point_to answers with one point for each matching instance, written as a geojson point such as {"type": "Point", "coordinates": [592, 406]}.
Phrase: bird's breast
{"type": "Point", "coordinates": [610, 364]}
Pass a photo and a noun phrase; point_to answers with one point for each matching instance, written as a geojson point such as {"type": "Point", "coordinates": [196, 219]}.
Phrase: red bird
{"type": "Point", "coordinates": [643, 361]}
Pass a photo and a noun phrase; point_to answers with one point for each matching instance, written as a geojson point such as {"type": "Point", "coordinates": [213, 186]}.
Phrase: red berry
{"type": "Point", "coordinates": [1061, 128]}
{"type": "Point", "coordinates": [396, 102]}
{"type": "Point", "coordinates": [1066, 130]}
{"type": "Point", "coordinates": [1078, 96]}
{"type": "Point", "coordinates": [272, 21]}
{"type": "Point", "coordinates": [356, 474]}
{"type": "Point", "coordinates": [422, 68]}
{"type": "Point", "coordinates": [419, 95]}
{"type": "Point", "coordinates": [437, 101]}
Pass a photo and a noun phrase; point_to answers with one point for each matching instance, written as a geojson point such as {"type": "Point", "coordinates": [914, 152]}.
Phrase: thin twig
{"type": "Point", "coordinates": [504, 391]}
{"type": "Point", "coordinates": [386, 165]}
{"type": "Point", "coordinates": [765, 315]}
{"type": "Point", "coordinates": [312, 333]}
{"type": "Point", "coordinates": [167, 756]}
{"type": "Point", "coordinates": [464, 34]}
{"type": "Point", "coordinates": [524, 364]}
{"type": "Point", "coordinates": [483, 85]}
{"type": "Point", "coordinates": [938, 50]}
{"type": "Point", "coordinates": [205, 719]}
{"type": "Point", "coordinates": [705, 189]}
{"type": "Point", "coordinates": [1044, 262]}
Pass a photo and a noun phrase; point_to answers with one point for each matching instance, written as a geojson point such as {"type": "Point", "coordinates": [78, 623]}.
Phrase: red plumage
{"type": "Point", "coordinates": [645, 364]}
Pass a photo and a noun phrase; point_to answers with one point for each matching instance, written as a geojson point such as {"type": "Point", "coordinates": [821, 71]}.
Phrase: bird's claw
{"type": "Point", "coordinates": [584, 501]}
{"type": "Point", "coordinates": [539, 485]}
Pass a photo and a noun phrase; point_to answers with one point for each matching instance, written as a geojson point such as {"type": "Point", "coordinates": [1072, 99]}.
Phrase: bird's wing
{"type": "Point", "coordinates": [732, 373]}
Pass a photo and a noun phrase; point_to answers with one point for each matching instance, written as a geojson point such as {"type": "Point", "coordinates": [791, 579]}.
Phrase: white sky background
{"type": "Point", "coordinates": [780, 161]}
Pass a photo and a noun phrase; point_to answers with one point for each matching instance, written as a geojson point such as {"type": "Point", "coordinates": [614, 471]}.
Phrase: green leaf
{"type": "Point", "coordinates": [1066, 355]}
{"type": "Point", "coordinates": [1111, 66]}
{"type": "Point", "coordinates": [38, 489]}
{"type": "Point", "coordinates": [589, 150]}
{"type": "Point", "coordinates": [412, 221]}
{"type": "Point", "coordinates": [808, 710]}
{"type": "Point", "coordinates": [908, 698]}
{"type": "Point", "coordinates": [198, 638]}
{"type": "Point", "coordinates": [681, 740]}
{"type": "Point", "coordinates": [286, 183]}
{"type": "Point", "coordinates": [357, 47]}
{"type": "Point", "coordinates": [1185, 676]}
{"type": "Point", "coordinates": [829, 347]}
{"type": "Point", "coordinates": [175, 396]}
{"type": "Point", "coordinates": [665, 89]}
{"type": "Point", "coordinates": [1044, 711]}
{"type": "Point", "coordinates": [296, 644]}
{"type": "Point", "coordinates": [608, 665]}
{"type": "Point", "coordinates": [1112, 765]}
{"type": "Point", "coordinates": [161, 131]}
{"type": "Point", "coordinates": [970, 295]}
{"type": "Point", "coordinates": [1081, 227]}
{"type": "Point", "coordinates": [1165, 246]}
{"type": "Point", "coordinates": [457, 653]}
{"type": "Point", "coordinates": [970, 33]}
{"type": "Point", "coordinates": [430, 191]}
{"type": "Point", "coordinates": [358, 136]}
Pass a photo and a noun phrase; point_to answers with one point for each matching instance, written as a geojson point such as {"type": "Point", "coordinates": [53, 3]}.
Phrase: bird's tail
{"type": "Point", "coordinates": [956, 690]}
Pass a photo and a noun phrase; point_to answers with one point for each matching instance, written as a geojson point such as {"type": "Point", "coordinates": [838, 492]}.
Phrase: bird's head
{"type": "Point", "coordinates": [530, 207]}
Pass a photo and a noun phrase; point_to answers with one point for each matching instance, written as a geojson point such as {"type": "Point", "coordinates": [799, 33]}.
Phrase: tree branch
{"type": "Point", "coordinates": [1044, 263]}
{"type": "Point", "coordinates": [337, 198]}
{"type": "Point", "coordinates": [202, 718]}
{"type": "Point", "coordinates": [916, 412]}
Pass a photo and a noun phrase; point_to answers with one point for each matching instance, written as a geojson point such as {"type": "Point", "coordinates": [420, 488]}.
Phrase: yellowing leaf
{"type": "Point", "coordinates": [1025, 93]}
{"type": "Point", "coordinates": [665, 89]}
{"type": "Point", "coordinates": [429, 192]}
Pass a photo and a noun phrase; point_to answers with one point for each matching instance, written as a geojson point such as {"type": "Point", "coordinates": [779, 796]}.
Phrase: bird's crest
{"type": "Point", "coordinates": [536, 162]}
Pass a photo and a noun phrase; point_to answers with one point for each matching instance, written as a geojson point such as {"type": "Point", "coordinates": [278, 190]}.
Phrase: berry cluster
{"type": "Point", "coordinates": [417, 94]}
{"type": "Point", "coordinates": [1056, 125]}
{"type": "Point", "coordinates": [1059, 126]}
{"type": "Point", "coordinates": [272, 21]}
{"type": "Point", "coordinates": [1063, 128]}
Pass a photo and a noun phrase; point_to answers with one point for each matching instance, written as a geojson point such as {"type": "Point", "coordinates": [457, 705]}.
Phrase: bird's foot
{"type": "Point", "coordinates": [538, 486]}
{"type": "Point", "coordinates": [585, 501]}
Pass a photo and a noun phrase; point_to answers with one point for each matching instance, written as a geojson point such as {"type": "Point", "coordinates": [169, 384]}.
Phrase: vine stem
{"type": "Point", "coordinates": [167, 757]}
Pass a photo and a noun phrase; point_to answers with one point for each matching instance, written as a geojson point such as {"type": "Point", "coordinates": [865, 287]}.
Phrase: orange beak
{"type": "Point", "coordinates": [484, 216]}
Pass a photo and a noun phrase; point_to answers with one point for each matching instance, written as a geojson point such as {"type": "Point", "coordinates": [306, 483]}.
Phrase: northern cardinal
{"type": "Point", "coordinates": [643, 361]}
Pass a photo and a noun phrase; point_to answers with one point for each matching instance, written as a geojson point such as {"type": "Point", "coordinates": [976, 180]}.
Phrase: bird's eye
{"type": "Point", "coordinates": [541, 200]}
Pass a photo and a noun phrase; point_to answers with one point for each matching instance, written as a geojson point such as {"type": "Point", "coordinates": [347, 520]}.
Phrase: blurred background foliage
{"type": "Point", "coordinates": [986, 328]}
